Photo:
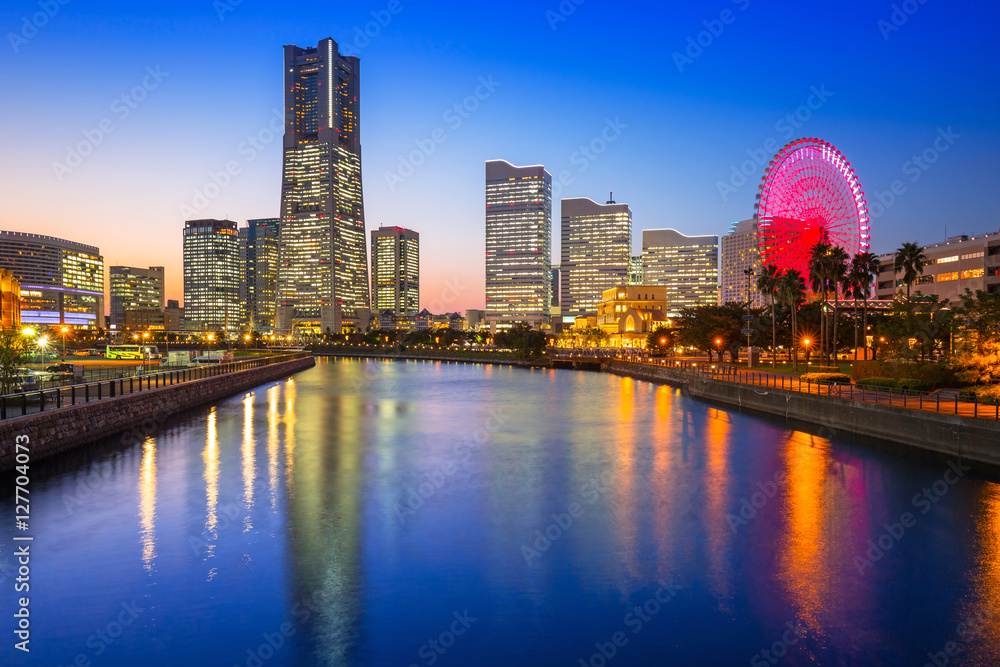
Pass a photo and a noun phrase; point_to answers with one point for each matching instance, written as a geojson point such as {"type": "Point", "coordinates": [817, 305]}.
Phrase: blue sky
{"type": "Point", "coordinates": [883, 84]}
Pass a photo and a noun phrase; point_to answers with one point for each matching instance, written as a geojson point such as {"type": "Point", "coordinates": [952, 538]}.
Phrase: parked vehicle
{"type": "Point", "coordinates": [59, 368]}
{"type": "Point", "coordinates": [206, 361]}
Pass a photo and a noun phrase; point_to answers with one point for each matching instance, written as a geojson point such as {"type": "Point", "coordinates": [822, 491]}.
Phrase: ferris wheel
{"type": "Point", "coordinates": [809, 194]}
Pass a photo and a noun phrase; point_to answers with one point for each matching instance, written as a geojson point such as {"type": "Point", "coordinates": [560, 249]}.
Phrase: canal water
{"type": "Point", "coordinates": [392, 513]}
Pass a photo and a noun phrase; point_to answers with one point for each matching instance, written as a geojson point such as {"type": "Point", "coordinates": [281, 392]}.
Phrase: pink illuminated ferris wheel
{"type": "Point", "coordinates": [809, 194]}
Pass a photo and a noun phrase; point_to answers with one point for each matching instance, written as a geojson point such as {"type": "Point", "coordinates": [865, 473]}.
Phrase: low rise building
{"type": "Point", "coordinates": [960, 263]}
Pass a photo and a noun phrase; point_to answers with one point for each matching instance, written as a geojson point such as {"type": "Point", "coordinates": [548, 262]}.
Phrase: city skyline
{"type": "Point", "coordinates": [666, 152]}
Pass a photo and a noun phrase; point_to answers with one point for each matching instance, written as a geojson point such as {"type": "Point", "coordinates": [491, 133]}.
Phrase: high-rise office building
{"type": "Point", "coordinates": [61, 282]}
{"type": "Point", "coordinates": [740, 253]}
{"type": "Point", "coordinates": [134, 288]}
{"type": "Point", "coordinates": [259, 266]}
{"type": "Point", "coordinates": [212, 275]}
{"type": "Point", "coordinates": [396, 272]}
{"type": "Point", "coordinates": [961, 263]}
{"type": "Point", "coordinates": [596, 252]}
{"type": "Point", "coordinates": [10, 301]}
{"type": "Point", "coordinates": [323, 270]}
{"type": "Point", "coordinates": [635, 270]}
{"type": "Point", "coordinates": [518, 244]}
{"type": "Point", "coordinates": [688, 266]}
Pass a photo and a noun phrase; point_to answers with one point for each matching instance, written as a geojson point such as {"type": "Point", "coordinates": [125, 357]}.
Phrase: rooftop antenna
{"type": "Point", "coordinates": [611, 198]}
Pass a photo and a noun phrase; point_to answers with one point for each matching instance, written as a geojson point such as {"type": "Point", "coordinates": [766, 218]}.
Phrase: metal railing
{"type": "Point", "coordinates": [33, 402]}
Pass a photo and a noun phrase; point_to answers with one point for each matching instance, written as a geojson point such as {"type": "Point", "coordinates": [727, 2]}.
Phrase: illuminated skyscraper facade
{"type": "Point", "coordinates": [596, 252]}
{"type": "Point", "coordinates": [259, 267]}
{"type": "Point", "coordinates": [518, 244]}
{"type": "Point", "coordinates": [133, 288]}
{"type": "Point", "coordinates": [212, 275]}
{"type": "Point", "coordinates": [61, 282]}
{"type": "Point", "coordinates": [396, 271]}
{"type": "Point", "coordinates": [688, 266]}
{"type": "Point", "coordinates": [740, 252]}
{"type": "Point", "coordinates": [323, 269]}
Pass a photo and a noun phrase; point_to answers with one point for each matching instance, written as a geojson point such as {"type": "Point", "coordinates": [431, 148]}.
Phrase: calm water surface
{"type": "Point", "coordinates": [380, 513]}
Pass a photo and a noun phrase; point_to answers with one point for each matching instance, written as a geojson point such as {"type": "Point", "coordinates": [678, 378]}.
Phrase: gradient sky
{"type": "Point", "coordinates": [560, 81]}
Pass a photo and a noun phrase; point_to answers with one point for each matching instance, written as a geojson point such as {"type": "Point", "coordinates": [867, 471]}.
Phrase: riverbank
{"type": "Point", "coordinates": [492, 359]}
{"type": "Point", "coordinates": [55, 431]}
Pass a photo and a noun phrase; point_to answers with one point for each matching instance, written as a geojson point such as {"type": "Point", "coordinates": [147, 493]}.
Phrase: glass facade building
{"type": "Point", "coordinates": [688, 266]}
{"type": "Point", "coordinates": [134, 288]}
{"type": "Point", "coordinates": [740, 252]}
{"type": "Point", "coordinates": [396, 272]}
{"type": "Point", "coordinates": [212, 275]}
{"type": "Point", "coordinates": [61, 282]}
{"type": "Point", "coordinates": [596, 253]}
{"type": "Point", "coordinates": [518, 244]}
{"type": "Point", "coordinates": [323, 265]}
{"type": "Point", "coordinates": [259, 266]}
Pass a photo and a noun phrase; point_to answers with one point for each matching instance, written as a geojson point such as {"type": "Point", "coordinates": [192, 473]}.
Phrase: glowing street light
{"type": "Point", "coordinates": [64, 331]}
{"type": "Point", "coordinates": [28, 331]}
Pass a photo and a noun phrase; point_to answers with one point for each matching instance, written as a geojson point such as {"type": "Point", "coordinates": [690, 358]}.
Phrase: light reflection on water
{"type": "Point", "coordinates": [365, 503]}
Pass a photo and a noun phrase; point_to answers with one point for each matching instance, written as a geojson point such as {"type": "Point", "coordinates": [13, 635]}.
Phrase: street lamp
{"type": "Point", "coordinates": [64, 330]}
{"type": "Point", "coordinates": [749, 273]}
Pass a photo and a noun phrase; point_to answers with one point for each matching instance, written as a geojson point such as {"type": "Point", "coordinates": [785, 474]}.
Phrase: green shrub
{"type": "Point", "coordinates": [989, 394]}
{"type": "Point", "coordinates": [862, 370]}
{"type": "Point", "coordinates": [827, 378]}
{"type": "Point", "coordinates": [911, 384]}
{"type": "Point", "coordinates": [880, 382]}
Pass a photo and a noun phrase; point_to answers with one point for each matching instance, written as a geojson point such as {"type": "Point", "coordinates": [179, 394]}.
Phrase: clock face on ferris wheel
{"type": "Point", "coordinates": [809, 194]}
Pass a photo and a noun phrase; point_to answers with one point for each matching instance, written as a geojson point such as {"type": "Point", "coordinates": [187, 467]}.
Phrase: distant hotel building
{"type": "Point", "coordinates": [133, 288]}
{"type": "Point", "coordinates": [688, 266]}
{"type": "Point", "coordinates": [596, 253]}
{"type": "Point", "coordinates": [212, 275]}
{"type": "Point", "coordinates": [739, 253]}
{"type": "Point", "coordinates": [961, 263]}
{"type": "Point", "coordinates": [259, 266]}
{"type": "Point", "coordinates": [323, 270]}
{"type": "Point", "coordinates": [62, 282]}
{"type": "Point", "coordinates": [395, 272]}
{"type": "Point", "coordinates": [518, 244]}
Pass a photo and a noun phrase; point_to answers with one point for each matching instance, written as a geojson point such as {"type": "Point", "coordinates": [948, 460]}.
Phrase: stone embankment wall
{"type": "Point", "coordinates": [56, 431]}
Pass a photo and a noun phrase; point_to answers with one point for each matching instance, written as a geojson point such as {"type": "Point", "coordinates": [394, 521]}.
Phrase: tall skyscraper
{"type": "Point", "coordinates": [518, 244]}
{"type": "Point", "coordinates": [688, 266]}
{"type": "Point", "coordinates": [596, 251]}
{"type": "Point", "coordinates": [212, 275]}
{"type": "Point", "coordinates": [133, 288]}
{"type": "Point", "coordinates": [259, 266]}
{"type": "Point", "coordinates": [323, 270]}
{"type": "Point", "coordinates": [396, 271]}
{"type": "Point", "coordinates": [739, 253]}
{"type": "Point", "coordinates": [635, 270]}
{"type": "Point", "coordinates": [62, 282]}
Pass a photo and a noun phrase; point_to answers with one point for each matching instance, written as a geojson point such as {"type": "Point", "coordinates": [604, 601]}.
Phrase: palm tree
{"type": "Point", "coordinates": [767, 283]}
{"type": "Point", "coordinates": [864, 267]}
{"type": "Point", "coordinates": [910, 261]}
{"type": "Point", "coordinates": [837, 268]}
{"type": "Point", "coordinates": [819, 282]}
{"type": "Point", "coordinates": [791, 292]}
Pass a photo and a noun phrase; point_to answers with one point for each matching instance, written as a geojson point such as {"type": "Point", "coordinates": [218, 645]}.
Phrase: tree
{"type": "Point", "coordinates": [979, 320]}
{"type": "Point", "coordinates": [864, 267]}
{"type": "Point", "coordinates": [837, 268]}
{"type": "Point", "coordinates": [767, 283]}
{"type": "Point", "coordinates": [661, 339]}
{"type": "Point", "coordinates": [910, 261]}
{"type": "Point", "coordinates": [791, 292]}
{"type": "Point", "coordinates": [13, 348]}
{"type": "Point", "coordinates": [818, 274]}
{"type": "Point", "coordinates": [708, 328]}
